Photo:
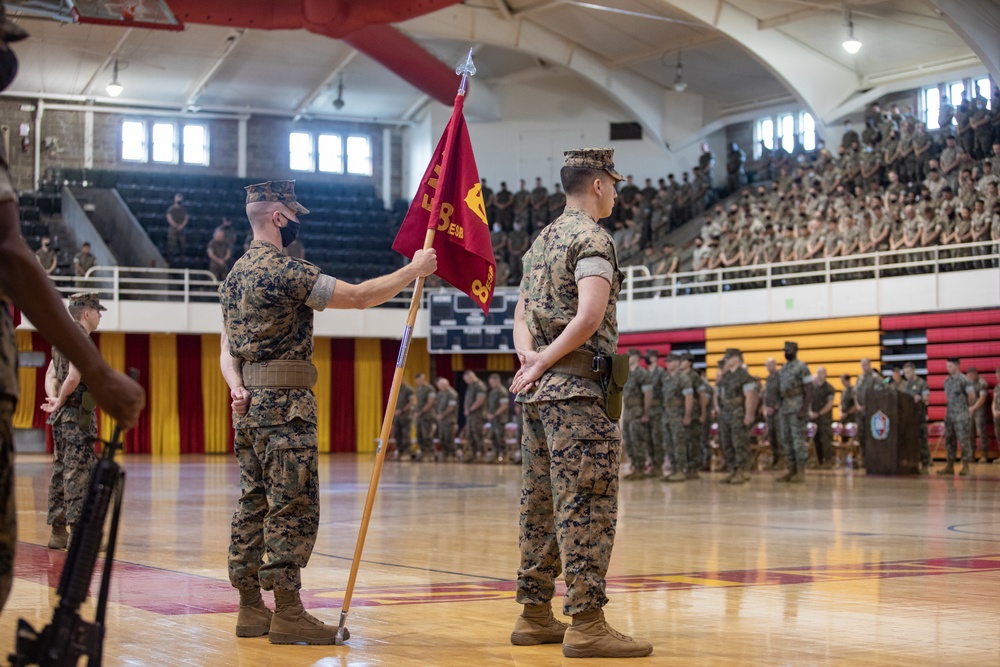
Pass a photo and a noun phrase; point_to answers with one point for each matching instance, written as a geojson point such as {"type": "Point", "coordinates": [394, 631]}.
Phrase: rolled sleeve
{"type": "Point", "coordinates": [594, 266]}
{"type": "Point", "coordinates": [321, 293]}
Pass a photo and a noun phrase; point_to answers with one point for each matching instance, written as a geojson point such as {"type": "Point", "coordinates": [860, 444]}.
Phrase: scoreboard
{"type": "Point", "coordinates": [457, 324]}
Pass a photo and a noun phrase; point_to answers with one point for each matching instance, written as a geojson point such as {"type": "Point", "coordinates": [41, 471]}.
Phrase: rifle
{"type": "Point", "coordinates": [68, 637]}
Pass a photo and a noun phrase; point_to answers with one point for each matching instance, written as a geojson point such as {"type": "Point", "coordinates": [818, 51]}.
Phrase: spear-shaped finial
{"type": "Point", "coordinates": [466, 69]}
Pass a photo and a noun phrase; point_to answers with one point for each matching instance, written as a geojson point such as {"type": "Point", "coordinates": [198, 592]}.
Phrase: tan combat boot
{"type": "Point", "coordinates": [291, 624]}
{"type": "Point", "coordinates": [728, 479]}
{"type": "Point", "coordinates": [255, 618]}
{"type": "Point", "coordinates": [799, 477]}
{"type": "Point", "coordinates": [787, 477]}
{"type": "Point", "coordinates": [537, 625]}
{"type": "Point", "coordinates": [965, 469]}
{"type": "Point", "coordinates": [676, 476]}
{"type": "Point", "coordinates": [590, 636]}
{"type": "Point", "coordinates": [59, 537]}
{"type": "Point", "coordinates": [741, 476]}
{"type": "Point", "coordinates": [948, 469]}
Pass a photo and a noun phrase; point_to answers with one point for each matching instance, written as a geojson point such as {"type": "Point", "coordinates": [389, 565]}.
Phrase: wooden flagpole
{"type": "Point", "coordinates": [466, 69]}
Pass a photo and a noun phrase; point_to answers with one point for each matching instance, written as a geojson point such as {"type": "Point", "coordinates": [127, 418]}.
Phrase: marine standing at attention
{"type": "Point", "coordinates": [571, 449]}
{"type": "Point", "coordinates": [267, 302]}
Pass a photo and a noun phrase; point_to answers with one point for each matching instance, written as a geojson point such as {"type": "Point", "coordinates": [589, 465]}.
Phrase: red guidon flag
{"type": "Point", "coordinates": [450, 201]}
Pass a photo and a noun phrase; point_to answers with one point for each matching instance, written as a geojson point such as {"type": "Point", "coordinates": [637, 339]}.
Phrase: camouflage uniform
{"type": "Point", "coordinates": [425, 420]}
{"type": "Point", "coordinates": [475, 421]}
{"type": "Point", "coordinates": [792, 378]}
{"type": "Point", "coordinates": [918, 387]}
{"type": "Point", "coordinates": [847, 404]}
{"type": "Point", "coordinates": [402, 423]}
{"type": "Point", "coordinates": [957, 421]}
{"type": "Point", "coordinates": [74, 428]}
{"type": "Point", "coordinates": [734, 434]}
{"type": "Point", "coordinates": [498, 398]}
{"type": "Point", "coordinates": [692, 432]}
{"type": "Point", "coordinates": [824, 423]}
{"type": "Point", "coordinates": [636, 432]}
{"type": "Point", "coordinates": [978, 421]}
{"type": "Point", "coordinates": [9, 387]}
{"type": "Point", "coordinates": [866, 384]}
{"type": "Point", "coordinates": [448, 424]}
{"type": "Point", "coordinates": [657, 428]}
{"type": "Point", "coordinates": [570, 449]}
{"type": "Point", "coordinates": [676, 386]}
{"type": "Point", "coordinates": [267, 302]}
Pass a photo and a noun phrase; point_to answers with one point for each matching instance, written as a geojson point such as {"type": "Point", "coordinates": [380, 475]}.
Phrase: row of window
{"type": "Point", "coordinates": [165, 142]}
{"type": "Point", "coordinates": [930, 97]}
{"type": "Point", "coordinates": [782, 130]}
{"type": "Point", "coordinates": [330, 153]}
{"type": "Point", "coordinates": [161, 142]}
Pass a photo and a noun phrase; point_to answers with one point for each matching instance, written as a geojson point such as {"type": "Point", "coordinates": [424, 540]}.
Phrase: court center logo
{"type": "Point", "coordinates": [880, 425]}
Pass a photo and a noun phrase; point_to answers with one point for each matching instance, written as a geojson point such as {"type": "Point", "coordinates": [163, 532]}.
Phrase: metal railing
{"type": "Point", "coordinates": [198, 286]}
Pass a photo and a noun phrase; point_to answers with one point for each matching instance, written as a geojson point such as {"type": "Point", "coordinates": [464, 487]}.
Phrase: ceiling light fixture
{"type": "Point", "coordinates": [114, 88]}
{"type": "Point", "coordinates": [680, 85]}
{"type": "Point", "coordinates": [852, 44]}
{"type": "Point", "coordinates": [338, 103]}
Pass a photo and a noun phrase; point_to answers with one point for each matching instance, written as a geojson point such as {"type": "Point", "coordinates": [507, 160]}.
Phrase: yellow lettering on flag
{"type": "Point", "coordinates": [474, 200]}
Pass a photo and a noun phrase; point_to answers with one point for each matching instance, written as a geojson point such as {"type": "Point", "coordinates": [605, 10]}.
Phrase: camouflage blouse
{"type": "Point", "coordinates": [9, 385]}
{"type": "Point", "coordinates": [552, 298]}
{"type": "Point", "coordinates": [268, 301]}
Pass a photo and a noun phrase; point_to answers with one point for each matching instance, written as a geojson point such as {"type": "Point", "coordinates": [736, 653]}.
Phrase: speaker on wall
{"type": "Point", "coordinates": [622, 131]}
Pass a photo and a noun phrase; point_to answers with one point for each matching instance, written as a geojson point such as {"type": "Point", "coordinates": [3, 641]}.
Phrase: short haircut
{"type": "Point", "coordinates": [576, 180]}
{"type": "Point", "coordinates": [419, 375]}
{"type": "Point", "coordinates": [76, 312]}
{"type": "Point", "coordinates": [954, 360]}
{"type": "Point", "coordinates": [910, 364]}
{"type": "Point", "coordinates": [495, 376]}
{"type": "Point", "coordinates": [972, 369]}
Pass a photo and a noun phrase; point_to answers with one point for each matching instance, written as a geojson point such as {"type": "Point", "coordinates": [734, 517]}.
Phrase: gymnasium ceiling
{"type": "Point", "coordinates": [738, 55]}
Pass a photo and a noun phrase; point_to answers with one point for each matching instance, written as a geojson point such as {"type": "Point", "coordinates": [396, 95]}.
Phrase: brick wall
{"type": "Point", "coordinates": [267, 145]}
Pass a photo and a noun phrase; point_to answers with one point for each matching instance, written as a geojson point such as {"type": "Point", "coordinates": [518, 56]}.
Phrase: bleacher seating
{"type": "Point", "coordinates": [348, 232]}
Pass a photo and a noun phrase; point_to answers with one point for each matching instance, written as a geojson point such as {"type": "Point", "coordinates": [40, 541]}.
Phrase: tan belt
{"type": "Point", "coordinates": [279, 375]}
{"type": "Point", "coordinates": [578, 362]}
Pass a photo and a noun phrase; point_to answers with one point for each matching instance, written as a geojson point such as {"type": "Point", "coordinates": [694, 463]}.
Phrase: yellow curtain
{"type": "Point", "coordinates": [500, 362]}
{"type": "Point", "coordinates": [321, 358]}
{"type": "Point", "coordinates": [417, 361]}
{"type": "Point", "coordinates": [28, 401]}
{"type": "Point", "coordinates": [164, 422]}
{"type": "Point", "coordinates": [214, 397]}
{"type": "Point", "coordinates": [457, 363]}
{"type": "Point", "coordinates": [368, 400]}
{"type": "Point", "coordinates": [112, 347]}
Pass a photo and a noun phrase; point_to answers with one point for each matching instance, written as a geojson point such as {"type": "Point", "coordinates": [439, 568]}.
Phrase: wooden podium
{"type": "Point", "coordinates": [891, 434]}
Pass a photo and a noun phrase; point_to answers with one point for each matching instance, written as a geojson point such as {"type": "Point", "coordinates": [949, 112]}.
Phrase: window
{"type": "Point", "coordinates": [764, 131]}
{"type": "Point", "coordinates": [359, 156]}
{"type": "Point", "coordinates": [133, 141]}
{"type": "Point", "coordinates": [982, 87]}
{"type": "Point", "coordinates": [331, 153]}
{"type": "Point", "coordinates": [195, 145]}
{"type": "Point", "coordinates": [931, 101]}
{"type": "Point", "coordinates": [300, 146]}
{"type": "Point", "coordinates": [807, 126]}
{"type": "Point", "coordinates": [164, 142]}
{"type": "Point", "coordinates": [955, 91]}
{"type": "Point", "coordinates": [786, 130]}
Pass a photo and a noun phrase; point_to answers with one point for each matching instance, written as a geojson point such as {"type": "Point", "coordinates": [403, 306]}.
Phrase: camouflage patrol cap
{"type": "Point", "coordinates": [732, 352]}
{"type": "Point", "coordinates": [10, 31]}
{"type": "Point", "coordinates": [593, 158]}
{"type": "Point", "coordinates": [673, 356]}
{"type": "Point", "coordinates": [653, 352]}
{"type": "Point", "coordinates": [281, 191]}
{"type": "Point", "coordinates": [86, 300]}
{"type": "Point", "coordinates": [791, 345]}
{"type": "Point", "coordinates": [687, 356]}
{"type": "Point", "coordinates": [634, 352]}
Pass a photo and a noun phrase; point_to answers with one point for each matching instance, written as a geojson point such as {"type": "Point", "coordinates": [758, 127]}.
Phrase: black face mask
{"type": "Point", "coordinates": [289, 232]}
{"type": "Point", "coordinates": [789, 356]}
{"type": "Point", "coordinates": [8, 68]}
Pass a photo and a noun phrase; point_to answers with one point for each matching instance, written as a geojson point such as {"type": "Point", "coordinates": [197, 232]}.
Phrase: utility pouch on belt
{"type": "Point", "coordinates": [615, 385]}
{"type": "Point", "coordinates": [279, 375]}
{"type": "Point", "coordinates": [87, 407]}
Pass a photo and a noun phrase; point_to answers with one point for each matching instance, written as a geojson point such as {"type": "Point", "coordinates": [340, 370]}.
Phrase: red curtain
{"type": "Point", "coordinates": [189, 395]}
{"type": "Point", "coordinates": [138, 440]}
{"type": "Point", "coordinates": [442, 367]}
{"type": "Point", "coordinates": [474, 362]}
{"type": "Point", "coordinates": [390, 352]}
{"type": "Point", "coordinates": [342, 428]}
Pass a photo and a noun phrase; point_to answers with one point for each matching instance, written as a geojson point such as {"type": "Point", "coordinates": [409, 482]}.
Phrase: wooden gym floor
{"type": "Point", "coordinates": [844, 570]}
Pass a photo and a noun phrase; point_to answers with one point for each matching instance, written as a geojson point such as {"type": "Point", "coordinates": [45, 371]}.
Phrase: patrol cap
{"type": "Point", "coordinates": [10, 31]}
{"type": "Point", "coordinates": [280, 191]}
{"type": "Point", "coordinates": [86, 300]}
{"type": "Point", "coordinates": [653, 352]}
{"type": "Point", "coordinates": [732, 352]}
{"type": "Point", "coordinates": [634, 352]}
{"type": "Point", "coordinates": [972, 369]}
{"type": "Point", "coordinates": [687, 356]}
{"type": "Point", "coordinates": [791, 345]}
{"type": "Point", "coordinates": [673, 356]}
{"type": "Point", "coordinates": [593, 158]}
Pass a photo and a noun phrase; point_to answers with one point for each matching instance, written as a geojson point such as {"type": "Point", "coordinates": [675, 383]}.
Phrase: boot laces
{"type": "Point", "coordinates": [617, 635]}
